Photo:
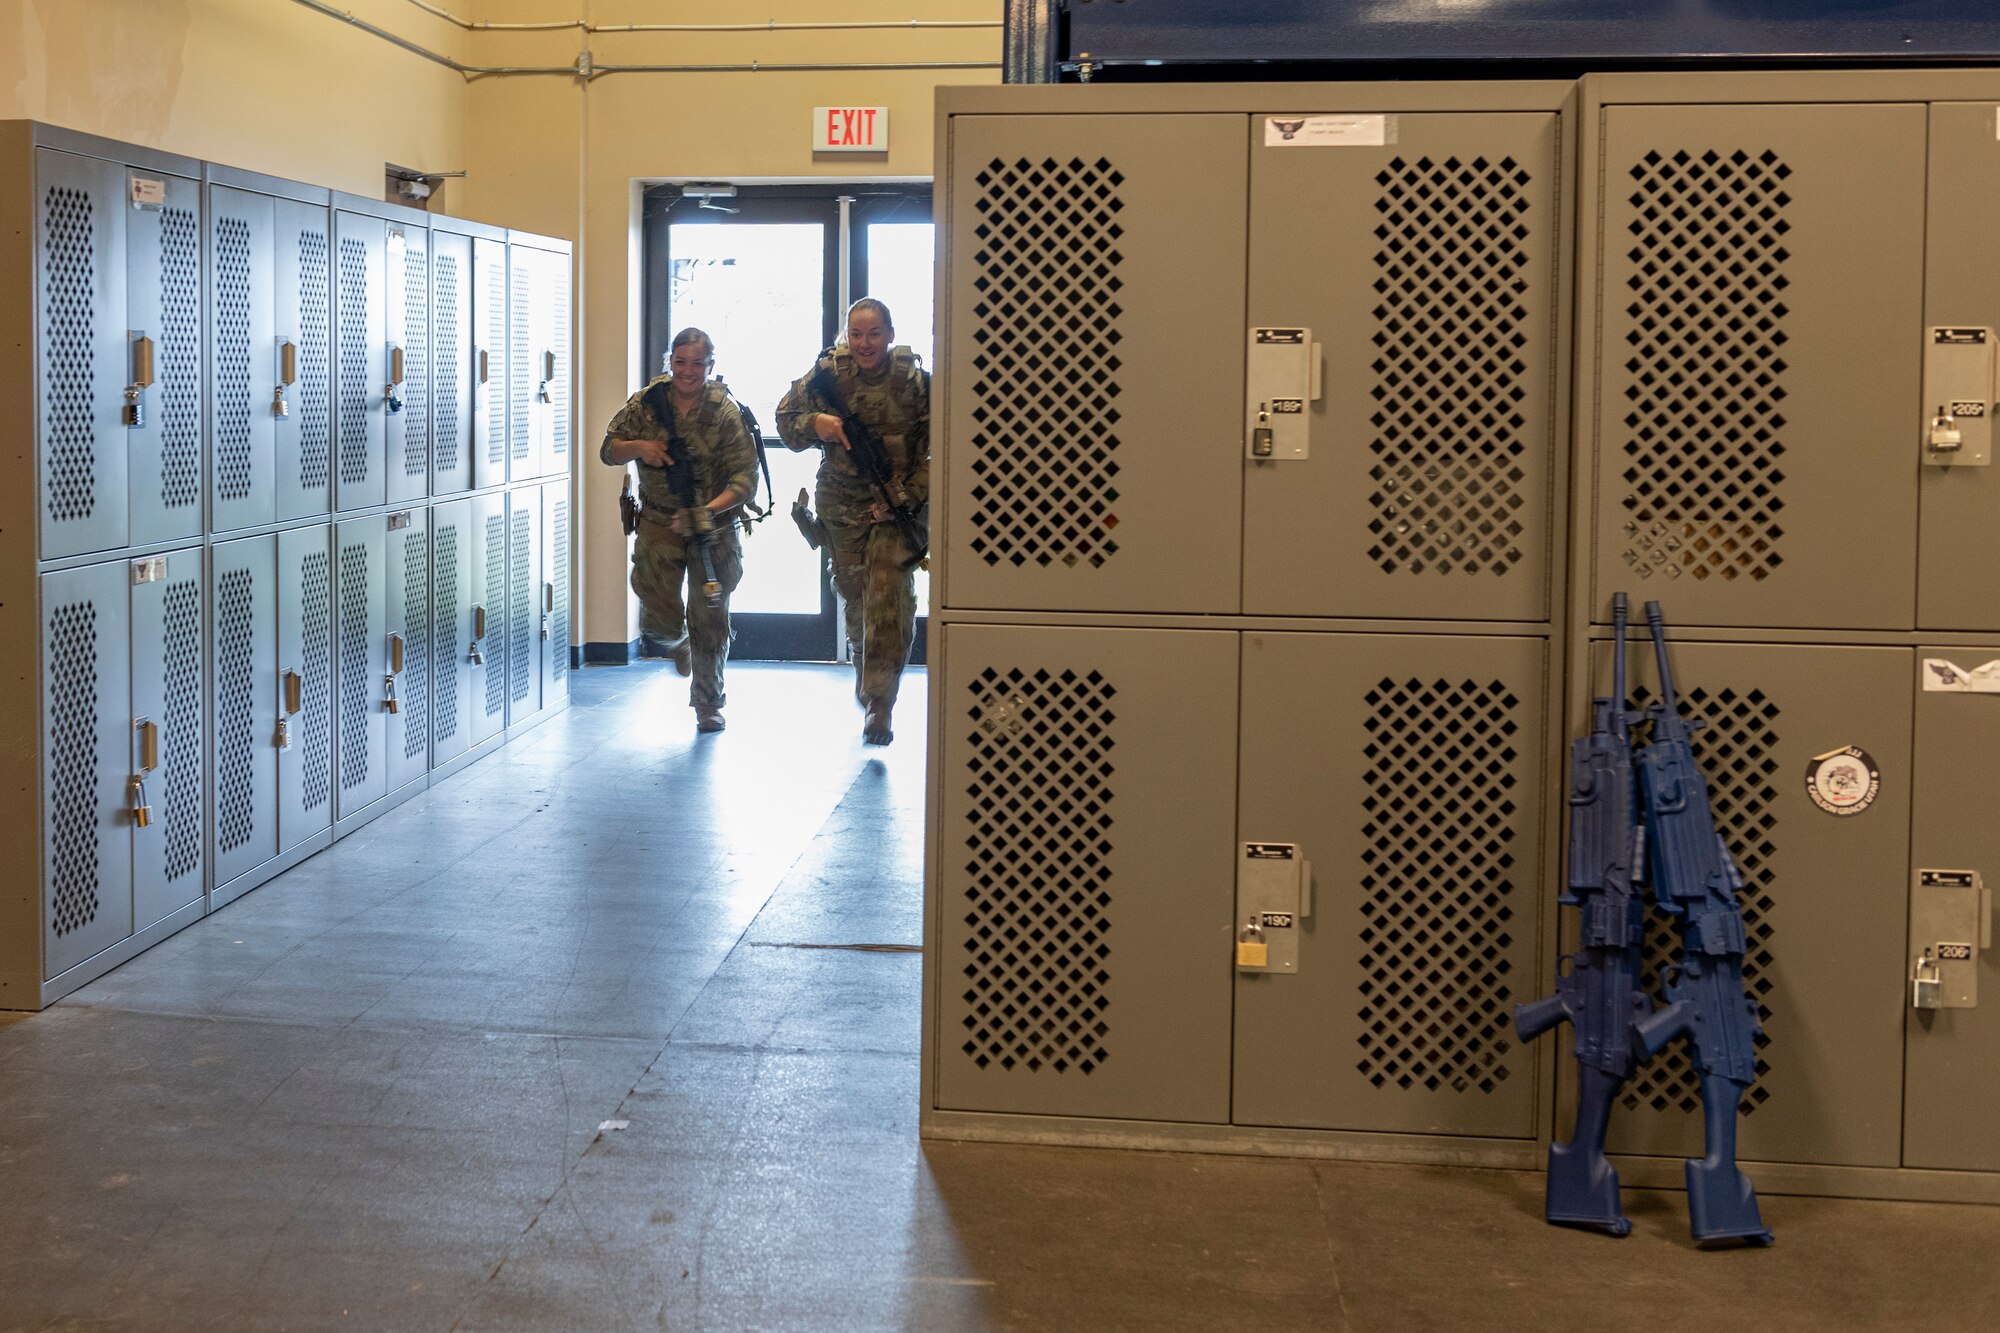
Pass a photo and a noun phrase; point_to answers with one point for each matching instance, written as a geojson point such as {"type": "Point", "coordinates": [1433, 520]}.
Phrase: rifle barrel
{"type": "Point", "coordinates": [1668, 706]}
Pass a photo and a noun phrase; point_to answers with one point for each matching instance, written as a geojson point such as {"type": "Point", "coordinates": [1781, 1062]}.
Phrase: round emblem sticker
{"type": "Point", "coordinates": [1844, 781]}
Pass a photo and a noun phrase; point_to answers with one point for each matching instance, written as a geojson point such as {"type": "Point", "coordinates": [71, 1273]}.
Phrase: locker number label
{"type": "Point", "coordinates": [1844, 781]}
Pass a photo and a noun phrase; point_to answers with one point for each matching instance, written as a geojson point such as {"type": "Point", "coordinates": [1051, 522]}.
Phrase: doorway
{"type": "Point", "coordinates": [768, 271]}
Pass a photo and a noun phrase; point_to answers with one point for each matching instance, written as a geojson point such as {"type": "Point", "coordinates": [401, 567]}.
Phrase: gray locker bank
{"type": "Point", "coordinates": [1292, 439]}
{"type": "Point", "coordinates": [287, 534]}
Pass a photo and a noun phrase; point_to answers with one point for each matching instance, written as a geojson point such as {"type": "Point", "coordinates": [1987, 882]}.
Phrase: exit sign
{"type": "Point", "coordinates": [850, 129]}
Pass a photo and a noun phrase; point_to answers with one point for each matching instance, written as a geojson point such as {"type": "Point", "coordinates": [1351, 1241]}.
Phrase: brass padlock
{"type": "Point", "coordinates": [283, 738]}
{"type": "Point", "coordinates": [279, 407]}
{"type": "Point", "coordinates": [142, 811]}
{"type": "Point", "coordinates": [389, 694]}
{"type": "Point", "coordinates": [1926, 984]}
{"type": "Point", "coordinates": [1251, 948]}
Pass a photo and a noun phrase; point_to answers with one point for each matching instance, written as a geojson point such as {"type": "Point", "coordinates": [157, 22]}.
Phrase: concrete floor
{"type": "Point", "coordinates": [547, 1049]}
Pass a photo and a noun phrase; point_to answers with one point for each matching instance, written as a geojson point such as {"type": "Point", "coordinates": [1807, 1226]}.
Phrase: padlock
{"type": "Point", "coordinates": [1251, 949]}
{"type": "Point", "coordinates": [474, 656]}
{"type": "Point", "coordinates": [142, 811]}
{"type": "Point", "coordinates": [1946, 437]}
{"type": "Point", "coordinates": [283, 738]}
{"type": "Point", "coordinates": [279, 407]}
{"type": "Point", "coordinates": [1261, 438]}
{"type": "Point", "coordinates": [135, 406]}
{"type": "Point", "coordinates": [1926, 983]}
{"type": "Point", "coordinates": [389, 694]}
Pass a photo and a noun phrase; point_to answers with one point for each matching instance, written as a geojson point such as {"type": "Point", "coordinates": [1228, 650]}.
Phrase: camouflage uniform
{"type": "Point", "coordinates": [872, 564]}
{"type": "Point", "coordinates": [724, 457]}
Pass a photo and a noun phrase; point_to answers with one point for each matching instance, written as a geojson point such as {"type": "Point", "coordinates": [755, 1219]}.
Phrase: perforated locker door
{"type": "Point", "coordinates": [1823, 902]}
{"type": "Point", "coordinates": [1093, 431]}
{"type": "Point", "coordinates": [163, 303]}
{"type": "Point", "coordinates": [1084, 906]}
{"type": "Point", "coordinates": [453, 704]}
{"type": "Point", "coordinates": [1427, 272]}
{"type": "Point", "coordinates": [83, 355]}
{"type": "Point", "coordinates": [490, 397]}
{"type": "Point", "coordinates": [305, 651]}
{"type": "Point", "coordinates": [361, 360]}
{"type": "Point", "coordinates": [557, 333]}
{"type": "Point", "coordinates": [169, 691]}
{"type": "Point", "coordinates": [1951, 1069]}
{"type": "Point", "coordinates": [1960, 505]}
{"type": "Point", "coordinates": [243, 596]}
{"type": "Point", "coordinates": [487, 678]}
{"type": "Point", "coordinates": [1408, 769]}
{"type": "Point", "coordinates": [244, 366]}
{"type": "Point", "coordinates": [526, 623]}
{"type": "Point", "coordinates": [555, 591]}
{"type": "Point", "coordinates": [1760, 279]}
{"type": "Point", "coordinates": [527, 415]}
{"type": "Point", "coordinates": [360, 640]}
{"type": "Point", "coordinates": [451, 363]}
{"type": "Point", "coordinates": [409, 329]}
{"type": "Point", "coordinates": [86, 753]}
{"type": "Point", "coordinates": [407, 729]}
{"type": "Point", "coordinates": [302, 439]}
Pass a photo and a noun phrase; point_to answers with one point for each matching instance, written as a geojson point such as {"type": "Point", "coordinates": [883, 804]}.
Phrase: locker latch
{"type": "Point", "coordinates": [142, 379]}
{"type": "Point", "coordinates": [1283, 377]}
{"type": "Point", "coordinates": [1925, 982]}
{"type": "Point", "coordinates": [548, 376]}
{"type": "Point", "coordinates": [1951, 922]}
{"type": "Point", "coordinates": [1959, 375]}
{"type": "Point", "coordinates": [292, 687]}
{"type": "Point", "coordinates": [475, 655]}
{"type": "Point", "coordinates": [548, 606]}
{"type": "Point", "coordinates": [148, 734]}
{"type": "Point", "coordinates": [1273, 900]}
{"type": "Point", "coordinates": [142, 810]}
{"type": "Point", "coordinates": [288, 375]}
{"type": "Point", "coordinates": [395, 380]}
{"type": "Point", "coordinates": [389, 695]}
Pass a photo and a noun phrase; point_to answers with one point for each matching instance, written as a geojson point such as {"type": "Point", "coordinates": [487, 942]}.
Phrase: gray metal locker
{"type": "Point", "coordinates": [527, 625]}
{"type": "Point", "coordinates": [453, 621]}
{"type": "Point", "coordinates": [407, 721]}
{"type": "Point", "coordinates": [303, 436]}
{"type": "Point", "coordinates": [525, 418]}
{"type": "Point", "coordinates": [561, 423]}
{"type": "Point", "coordinates": [1960, 503]}
{"type": "Point", "coordinates": [1086, 901]}
{"type": "Point", "coordinates": [163, 235]}
{"type": "Point", "coordinates": [556, 545]}
{"type": "Point", "coordinates": [361, 360]}
{"type": "Point", "coordinates": [1407, 770]}
{"type": "Point", "coordinates": [409, 328]}
{"type": "Point", "coordinates": [168, 740]}
{"type": "Point", "coordinates": [491, 356]}
{"type": "Point", "coordinates": [1822, 903]}
{"type": "Point", "coordinates": [1951, 1068]}
{"type": "Point", "coordinates": [1083, 474]}
{"type": "Point", "coordinates": [1426, 271]}
{"type": "Point", "coordinates": [245, 366]}
{"type": "Point", "coordinates": [360, 688]}
{"type": "Point", "coordinates": [1748, 444]}
{"type": "Point", "coordinates": [452, 363]}
{"type": "Point", "coordinates": [306, 671]}
{"type": "Point", "coordinates": [487, 677]}
{"type": "Point", "coordinates": [87, 778]}
{"type": "Point", "coordinates": [87, 361]}
{"type": "Point", "coordinates": [243, 597]}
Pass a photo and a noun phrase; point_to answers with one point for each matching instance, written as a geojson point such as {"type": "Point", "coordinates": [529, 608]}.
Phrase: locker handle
{"type": "Point", "coordinates": [1305, 890]}
{"type": "Point", "coordinates": [294, 692]}
{"type": "Point", "coordinates": [483, 369]}
{"type": "Point", "coordinates": [1985, 918]}
{"type": "Point", "coordinates": [396, 653]}
{"type": "Point", "coordinates": [149, 744]}
{"type": "Point", "coordinates": [548, 597]}
{"type": "Point", "coordinates": [288, 361]}
{"type": "Point", "coordinates": [142, 361]}
{"type": "Point", "coordinates": [548, 366]}
{"type": "Point", "coordinates": [395, 366]}
{"type": "Point", "coordinates": [478, 622]}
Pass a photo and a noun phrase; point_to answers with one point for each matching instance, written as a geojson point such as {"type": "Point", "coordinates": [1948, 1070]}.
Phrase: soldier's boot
{"type": "Point", "coordinates": [876, 731]}
{"type": "Point", "coordinates": [681, 653]}
{"type": "Point", "coordinates": [708, 719]}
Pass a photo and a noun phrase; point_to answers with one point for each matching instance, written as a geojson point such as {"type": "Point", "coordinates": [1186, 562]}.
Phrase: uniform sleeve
{"type": "Point", "coordinates": [795, 413]}
{"type": "Point", "coordinates": [737, 454]}
{"type": "Point", "coordinates": [629, 423]}
{"type": "Point", "coordinates": [918, 442]}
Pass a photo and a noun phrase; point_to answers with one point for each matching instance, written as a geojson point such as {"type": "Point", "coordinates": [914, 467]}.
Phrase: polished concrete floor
{"type": "Point", "coordinates": [566, 1044]}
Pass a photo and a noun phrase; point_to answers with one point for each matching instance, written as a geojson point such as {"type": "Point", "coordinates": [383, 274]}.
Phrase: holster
{"type": "Point", "coordinates": [628, 507]}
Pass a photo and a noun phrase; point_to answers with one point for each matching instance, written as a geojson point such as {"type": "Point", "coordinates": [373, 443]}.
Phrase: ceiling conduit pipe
{"type": "Point", "coordinates": [768, 25]}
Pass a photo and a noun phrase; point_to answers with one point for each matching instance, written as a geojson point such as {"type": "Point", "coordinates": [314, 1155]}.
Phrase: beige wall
{"type": "Point", "coordinates": [275, 87]}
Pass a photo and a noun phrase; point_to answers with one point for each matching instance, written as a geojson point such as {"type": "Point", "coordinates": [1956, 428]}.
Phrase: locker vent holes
{"type": "Point", "coordinates": [415, 687]}
{"type": "Point", "coordinates": [232, 359]}
{"type": "Point", "coordinates": [1036, 892]}
{"type": "Point", "coordinates": [518, 371]}
{"type": "Point", "coordinates": [1450, 337]}
{"type": "Point", "coordinates": [181, 757]}
{"type": "Point", "coordinates": [356, 690]}
{"type": "Point", "coordinates": [496, 588]}
{"type": "Point", "coordinates": [1737, 751]}
{"type": "Point", "coordinates": [559, 386]}
{"type": "Point", "coordinates": [1436, 911]}
{"type": "Point", "coordinates": [315, 713]}
{"type": "Point", "coordinates": [444, 394]}
{"type": "Point", "coordinates": [235, 728]}
{"type": "Point", "coordinates": [315, 322]}
{"type": "Point", "coordinates": [72, 766]}
{"type": "Point", "coordinates": [354, 368]}
{"type": "Point", "coordinates": [520, 610]}
{"type": "Point", "coordinates": [492, 403]}
{"type": "Point", "coordinates": [1705, 431]}
{"type": "Point", "coordinates": [416, 413]}
{"type": "Point", "coordinates": [180, 358]}
{"type": "Point", "coordinates": [451, 651]}
{"type": "Point", "coordinates": [559, 575]}
{"type": "Point", "coordinates": [69, 314]}
{"type": "Point", "coordinates": [1043, 438]}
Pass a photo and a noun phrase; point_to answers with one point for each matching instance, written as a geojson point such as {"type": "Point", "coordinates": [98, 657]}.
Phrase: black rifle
{"type": "Point", "coordinates": [871, 456]}
{"type": "Point", "coordinates": [682, 481]}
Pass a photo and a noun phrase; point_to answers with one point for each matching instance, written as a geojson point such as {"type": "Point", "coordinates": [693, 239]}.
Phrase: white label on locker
{"type": "Point", "coordinates": [147, 192]}
{"type": "Point", "coordinates": [1954, 953]}
{"type": "Point", "coordinates": [1288, 406]}
{"type": "Point", "coordinates": [1278, 920]}
{"type": "Point", "coordinates": [1329, 131]}
{"type": "Point", "coordinates": [149, 571]}
{"type": "Point", "coordinates": [1844, 781]}
{"type": "Point", "coordinates": [1942, 677]}
{"type": "Point", "coordinates": [397, 522]}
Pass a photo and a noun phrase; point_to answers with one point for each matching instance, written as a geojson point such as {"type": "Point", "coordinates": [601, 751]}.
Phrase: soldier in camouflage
{"type": "Point", "coordinates": [674, 616]}
{"type": "Point", "coordinates": [873, 565]}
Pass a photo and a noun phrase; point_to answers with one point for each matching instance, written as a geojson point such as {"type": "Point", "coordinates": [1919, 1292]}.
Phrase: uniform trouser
{"type": "Point", "coordinates": [663, 566]}
{"type": "Point", "coordinates": [875, 576]}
